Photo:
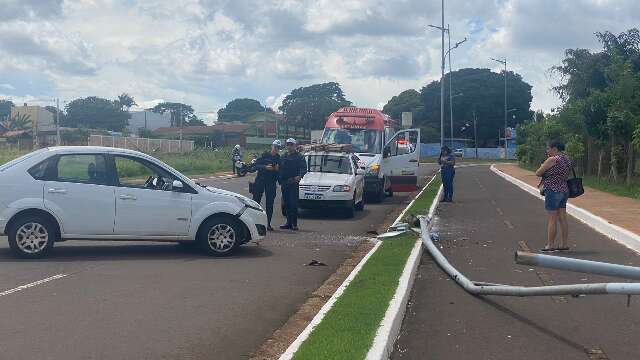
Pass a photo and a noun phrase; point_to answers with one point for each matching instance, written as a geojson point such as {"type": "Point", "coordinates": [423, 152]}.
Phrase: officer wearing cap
{"type": "Point", "coordinates": [292, 169]}
{"type": "Point", "coordinates": [268, 166]}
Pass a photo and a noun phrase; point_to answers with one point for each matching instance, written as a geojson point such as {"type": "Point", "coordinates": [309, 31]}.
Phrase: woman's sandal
{"type": "Point", "coordinates": [563, 249]}
{"type": "Point", "coordinates": [548, 249]}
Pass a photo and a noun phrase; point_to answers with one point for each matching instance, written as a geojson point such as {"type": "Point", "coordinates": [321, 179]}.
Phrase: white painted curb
{"type": "Point", "coordinates": [295, 345]}
{"type": "Point", "coordinates": [391, 324]}
{"type": "Point", "coordinates": [601, 225]}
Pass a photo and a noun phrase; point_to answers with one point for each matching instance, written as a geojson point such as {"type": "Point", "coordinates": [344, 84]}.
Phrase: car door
{"type": "Point", "coordinates": [148, 210]}
{"type": "Point", "coordinates": [81, 194]}
{"type": "Point", "coordinates": [400, 160]}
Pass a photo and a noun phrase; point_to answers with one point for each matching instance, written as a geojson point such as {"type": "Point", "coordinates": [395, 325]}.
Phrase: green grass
{"type": "Point", "coordinates": [348, 329]}
{"type": "Point", "coordinates": [199, 162]}
{"type": "Point", "coordinates": [620, 189]}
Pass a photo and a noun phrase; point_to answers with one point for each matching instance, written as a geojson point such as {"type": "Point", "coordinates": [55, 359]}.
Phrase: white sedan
{"type": "Point", "coordinates": [96, 193]}
{"type": "Point", "coordinates": [333, 180]}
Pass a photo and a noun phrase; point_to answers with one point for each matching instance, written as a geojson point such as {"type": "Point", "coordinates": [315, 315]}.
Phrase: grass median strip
{"type": "Point", "coordinates": [348, 329]}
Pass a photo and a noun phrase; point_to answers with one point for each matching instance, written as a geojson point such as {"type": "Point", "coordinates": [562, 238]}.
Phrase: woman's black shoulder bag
{"type": "Point", "coordinates": [575, 185]}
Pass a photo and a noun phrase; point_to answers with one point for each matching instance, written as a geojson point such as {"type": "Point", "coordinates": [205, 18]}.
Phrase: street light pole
{"type": "Point", "coordinates": [504, 62]}
{"type": "Point", "coordinates": [442, 29]}
{"type": "Point", "coordinates": [58, 139]}
{"type": "Point", "coordinates": [450, 81]}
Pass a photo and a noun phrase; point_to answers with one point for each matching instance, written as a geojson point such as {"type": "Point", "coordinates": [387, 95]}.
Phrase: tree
{"type": "Point", "coordinates": [482, 91]}
{"type": "Point", "coordinates": [180, 114]}
{"type": "Point", "coordinates": [96, 113]}
{"type": "Point", "coordinates": [406, 101]}
{"type": "Point", "coordinates": [54, 110]}
{"type": "Point", "coordinates": [5, 109]}
{"type": "Point", "coordinates": [241, 110]}
{"type": "Point", "coordinates": [126, 101]}
{"type": "Point", "coordinates": [310, 106]}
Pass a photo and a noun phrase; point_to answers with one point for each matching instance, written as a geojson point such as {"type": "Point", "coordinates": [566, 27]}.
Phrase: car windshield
{"type": "Point", "coordinates": [334, 164]}
{"type": "Point", "coordinates": [362, 140]}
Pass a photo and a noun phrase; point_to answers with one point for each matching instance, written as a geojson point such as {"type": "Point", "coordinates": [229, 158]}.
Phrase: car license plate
{"type": "Point", "coordinates": [312, 196]}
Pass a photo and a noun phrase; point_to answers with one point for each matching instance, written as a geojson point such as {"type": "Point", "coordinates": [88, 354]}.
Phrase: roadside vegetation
{"type": "Point", "coordinates": [599, 119]}
{"type": "Point", "coordinates": [199, 162]}
{"type": "Point", "coordinates": [348, 329]}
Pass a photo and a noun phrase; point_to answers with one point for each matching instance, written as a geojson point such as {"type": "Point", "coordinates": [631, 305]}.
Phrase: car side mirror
{"type": "Point", "coordinates": [177, 185]}
{"type": "Point", "coordinates": [360, 172]}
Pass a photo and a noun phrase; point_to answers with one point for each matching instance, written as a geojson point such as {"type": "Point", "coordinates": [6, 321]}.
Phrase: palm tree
{"type": "Point", "coordinates": [18, 122]}
{"type": "Point", "coordinates": [126, 101]}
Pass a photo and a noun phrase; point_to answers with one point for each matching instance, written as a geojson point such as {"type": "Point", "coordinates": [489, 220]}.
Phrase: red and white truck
{"type": "Point", "coordinates": [389, 156]}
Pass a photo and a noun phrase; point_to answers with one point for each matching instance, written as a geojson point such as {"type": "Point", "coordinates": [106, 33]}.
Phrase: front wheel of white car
{"type": "Point", "coordinates": [32, 236]}
{"type": "Point", "coordinates": [220, 236]}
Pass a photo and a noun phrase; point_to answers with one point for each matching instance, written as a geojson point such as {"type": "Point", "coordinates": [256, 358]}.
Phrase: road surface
{"type": "Point", "coordinates": [132, 300]}
{"type": "Point", "coordinates": [489, 221]}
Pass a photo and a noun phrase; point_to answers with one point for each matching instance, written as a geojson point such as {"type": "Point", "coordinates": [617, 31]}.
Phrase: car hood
{"type": "Point", "coordinates": [243, 199]}
{"type": "Point", "coordinates": [316, 178]}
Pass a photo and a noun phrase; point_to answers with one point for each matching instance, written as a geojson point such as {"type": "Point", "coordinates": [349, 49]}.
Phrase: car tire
{"type": "Point", "coordinates": [350, 211]}
{"type": "Point", "coordinates": [389, 192]}
{"type": "Point", "coordinates": [360, 205]}
{"type": "Point", "coordinates": [220, 236]}
{"type": "Point", "coordinates": [32, 236]}
{"type": "Point", "coordinates": [380, 195]}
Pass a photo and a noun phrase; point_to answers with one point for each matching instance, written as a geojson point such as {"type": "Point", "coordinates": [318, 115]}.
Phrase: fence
{"type": "Point", "coordinates": [433, 150]}
{"type": "Point", "coordinates": [142, 144]}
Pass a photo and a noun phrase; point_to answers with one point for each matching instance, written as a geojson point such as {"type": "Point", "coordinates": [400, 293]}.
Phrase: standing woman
{"type": "Point", "coordinates": [555, 173]}
{"type": "Point", "coordinates": [447, 163]}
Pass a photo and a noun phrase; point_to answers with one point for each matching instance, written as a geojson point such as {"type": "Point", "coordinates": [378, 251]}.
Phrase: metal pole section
{"type": "Point", "coordinates": [58, 139]}
{"type": "Point", "coordinates": [484, 288]}
{"type": "Point", "coordinates": [180, 114]}
{"type": "Point", "coordinates": [442, 83]}
{"type": "Point", "coordinates": [450, 88]}
{"type": "Point", "coordinates": [475, 133]}
{"type": "Point", "coordinates": [505, 109]}
{"type": "Point", "coordinates": [578, 265]}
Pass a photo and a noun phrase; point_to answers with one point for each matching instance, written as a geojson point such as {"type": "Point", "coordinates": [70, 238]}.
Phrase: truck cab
{"type": "Point", "coordinates": [390, 157]}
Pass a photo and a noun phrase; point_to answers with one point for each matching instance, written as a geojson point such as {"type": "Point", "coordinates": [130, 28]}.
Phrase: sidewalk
{"type": "Point", "coordinates": [617, 210]}
{"type": "Point", "coordinates": [479, 233]}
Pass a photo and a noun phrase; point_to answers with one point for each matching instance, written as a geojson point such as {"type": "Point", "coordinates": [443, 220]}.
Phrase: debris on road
{"type": "Point", "coordinates": [316, 263]}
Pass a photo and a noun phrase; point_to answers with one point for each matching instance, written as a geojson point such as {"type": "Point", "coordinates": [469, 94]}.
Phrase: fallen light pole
{"type": "Point", "coordinates": [578, 265]}
{"type": "Point", "coordinates": [484, 288]}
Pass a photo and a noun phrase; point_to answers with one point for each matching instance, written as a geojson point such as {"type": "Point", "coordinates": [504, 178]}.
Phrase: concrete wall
{"type": "Point", "coordinates": [142, 144]}
{"type": "Point", "coordinates": [433, 150]}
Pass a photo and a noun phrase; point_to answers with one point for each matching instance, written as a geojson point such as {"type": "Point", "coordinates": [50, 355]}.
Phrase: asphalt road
{"type": "Point", "coordinates": [479, 233]}
{"type": "Point", "coordinates": [132, 300]}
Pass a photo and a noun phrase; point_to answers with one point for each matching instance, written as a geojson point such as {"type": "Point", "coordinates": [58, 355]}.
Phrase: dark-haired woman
{"type": "Point", "coordinates": [555, 173]}
{"type": "Point", "coordinates": [447, 163]}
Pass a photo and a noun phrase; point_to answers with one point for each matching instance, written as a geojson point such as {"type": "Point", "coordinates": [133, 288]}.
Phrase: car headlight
{"type": "Point", "coordinates": [250, 203]}
{"type": "Point", "coordinates": [341, 188]}
{"type": "Point", "coordinates": [374, 169]}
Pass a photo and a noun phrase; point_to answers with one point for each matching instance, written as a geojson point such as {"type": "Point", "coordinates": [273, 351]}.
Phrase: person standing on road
{"type": "Point", "coordinates": [292, 169]}
{"type": "Point", "coordinates": [236, 155]}
{"type": "Point", "coordinates": [555, 173]}
{"type": "Point", "coordinates": [268, 167]}
{"type": "Point", "coordinates": [447, 163]}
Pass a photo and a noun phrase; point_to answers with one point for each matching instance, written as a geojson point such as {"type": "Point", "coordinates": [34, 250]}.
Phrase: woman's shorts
{"type": "Point", "coordinates": [554, 200]}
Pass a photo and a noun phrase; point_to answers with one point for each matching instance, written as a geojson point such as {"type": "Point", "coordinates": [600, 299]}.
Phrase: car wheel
{"type": "Point", "coordinates": [360, 205]}
{"type": "Point", "coordinates": [220, 236]}
{"type": "Point", "coordinates": [350, 210]}
{"type": "Point", "coordinates": [32, 236]}
{"type": "Point", "coordinates": [380, 195]}
{"type": "Point", "coordinates": [390, 192]}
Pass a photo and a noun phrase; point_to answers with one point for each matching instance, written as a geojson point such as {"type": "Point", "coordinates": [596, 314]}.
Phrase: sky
{"type": "Point", "coordinates": [208, 52]}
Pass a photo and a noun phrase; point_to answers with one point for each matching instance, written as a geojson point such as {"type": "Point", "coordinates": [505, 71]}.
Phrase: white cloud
{"type": "Point", "coordinates": [207, 52]}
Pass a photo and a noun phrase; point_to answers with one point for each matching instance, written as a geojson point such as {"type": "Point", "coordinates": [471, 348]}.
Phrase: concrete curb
{"type": "Point", "coordinates": [295, 345]}
{"type": "Point", "coordinates": [389, 329]}
{"type": "Point", "coordinates": [601, 225]}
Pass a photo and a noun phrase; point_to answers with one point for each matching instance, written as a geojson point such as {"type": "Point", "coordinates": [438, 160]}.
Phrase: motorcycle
{"type": "Point", "coordinates": [243, 168]}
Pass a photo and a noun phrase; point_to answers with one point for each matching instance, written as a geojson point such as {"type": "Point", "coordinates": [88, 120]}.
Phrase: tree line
{"type": "Point", "coordinates": [599, 118]}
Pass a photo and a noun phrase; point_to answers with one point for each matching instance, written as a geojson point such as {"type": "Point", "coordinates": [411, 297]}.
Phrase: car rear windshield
{"type": "Point", "coordinates": [334, 164]}
{"type": "Point", "coordinates": [22, 158]}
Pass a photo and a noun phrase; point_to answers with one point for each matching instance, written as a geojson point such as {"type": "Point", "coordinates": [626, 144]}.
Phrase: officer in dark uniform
{"type": "Point", "coordinates": [268, 166]}
{"type": "Point", "coordinates": [292, 169]}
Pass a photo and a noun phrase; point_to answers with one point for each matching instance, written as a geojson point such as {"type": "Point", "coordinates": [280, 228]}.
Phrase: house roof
{"type": "Point", "coordinates": [15, 133]}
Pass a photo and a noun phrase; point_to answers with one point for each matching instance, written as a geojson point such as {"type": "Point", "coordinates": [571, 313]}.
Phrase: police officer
{"type": "Point", "coordinates": [268, 166]}
{"type": "Point", "coordinates": [236, 155]}
{"type": "Point", "coordinates": [292, 169]}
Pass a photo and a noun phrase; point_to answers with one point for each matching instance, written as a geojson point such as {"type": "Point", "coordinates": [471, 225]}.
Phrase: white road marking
{"type": "Point", "coordinates": [35, 283]}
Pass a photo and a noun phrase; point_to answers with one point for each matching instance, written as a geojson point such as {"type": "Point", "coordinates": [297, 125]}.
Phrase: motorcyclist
{"type": "Point", "coordinates": [268, 166]}
{"type": "Point", "coordinates": [236, 155]}
{"type": "Point", "coordinates": [292, 169]}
